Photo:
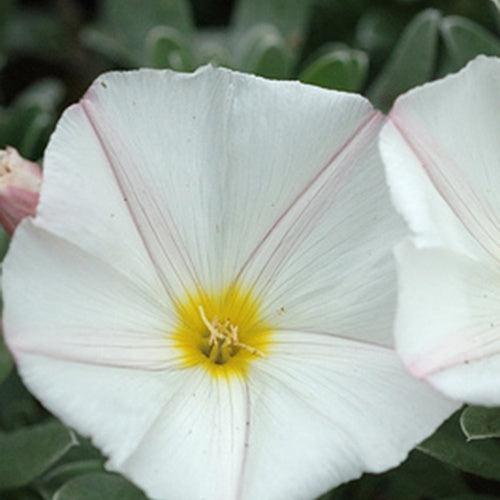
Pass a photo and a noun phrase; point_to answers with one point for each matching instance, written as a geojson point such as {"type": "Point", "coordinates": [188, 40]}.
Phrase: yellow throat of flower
{"type": "Point", "coordinates": [221, 332]}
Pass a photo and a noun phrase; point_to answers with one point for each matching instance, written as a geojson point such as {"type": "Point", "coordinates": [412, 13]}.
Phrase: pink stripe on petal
{"type": "Point", "coordinates": [471, 208]}
{"type": "Point", "coordinates": [297, 222]}
{"type": "Point", "coordinates": [153, 222]}
{"type": "Point", "coordinates": [97, 348]}
{"type": "Point", "coordinates": [463, 347]}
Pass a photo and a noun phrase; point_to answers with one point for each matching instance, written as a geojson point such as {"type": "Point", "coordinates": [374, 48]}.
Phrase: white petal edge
{"type": "Point", "coordinates": [222, 153]}
{"type": "Point", "coordinates": [447, 325]}
{"type": "Point", "coordinates": [441, 148]}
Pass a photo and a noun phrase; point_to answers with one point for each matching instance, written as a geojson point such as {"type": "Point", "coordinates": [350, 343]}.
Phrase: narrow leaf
{"type": "Point", "coordinates": [463, 40]}
{"type": "Point", "coordinates": [28, 452]}
{"type": "Point", "coordinates": [343, 69]}
{"type": "Point", "coordinates": [378, 30]}
{"type": "Point", "coordinates": [411, 63]}
{"type": "Point", "coordinates": [108, 46]}
{"type": "Point", "coordinates": [166, 47]}
{"type": "Point", "coordinates": [36, 135]}
{"type": "Point", "coordinates": [46, 94]}
{"type": "Point", "coordinates": [265, 53]}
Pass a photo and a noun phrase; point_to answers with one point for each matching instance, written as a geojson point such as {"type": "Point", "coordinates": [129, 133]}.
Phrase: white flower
{"type": "Point", "coordinates": [207, 290]}
{"type": "Point", "coordinates": [441, 147]}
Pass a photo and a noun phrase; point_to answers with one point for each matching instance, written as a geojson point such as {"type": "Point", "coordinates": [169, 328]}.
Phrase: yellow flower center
{"type": "Point", "coordinates": [222, 332]}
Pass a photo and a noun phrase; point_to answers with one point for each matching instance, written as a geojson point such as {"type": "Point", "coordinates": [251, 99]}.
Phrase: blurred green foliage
{"type": "Point", "coordinates": [50, 51]}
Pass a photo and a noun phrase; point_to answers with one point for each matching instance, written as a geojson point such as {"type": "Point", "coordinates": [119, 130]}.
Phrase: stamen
{"type": "Point", "coordinates": [224, 333]}
{"type": "Point", "coordinates": [212, 329]}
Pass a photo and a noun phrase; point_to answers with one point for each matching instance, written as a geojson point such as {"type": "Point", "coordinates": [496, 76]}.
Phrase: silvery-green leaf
{"type": "Point", "coordinates": [463, 40]}
{"type": "Point", "coordinates": [450, 445]}
{"type": "Point", "coordinates": [343, 69]}
{"type": "Point", "coordinates": [28, 452]}
{"type": "Point", "coordinates": [480, 423]}
{"type": "Point", "coordinates": [167, 47]}
{"type": "Point", "coordinates": [411, 63]}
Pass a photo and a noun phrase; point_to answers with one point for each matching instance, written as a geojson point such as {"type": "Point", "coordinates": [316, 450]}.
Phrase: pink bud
{"type": "Point", "coordinates": [20, 182]}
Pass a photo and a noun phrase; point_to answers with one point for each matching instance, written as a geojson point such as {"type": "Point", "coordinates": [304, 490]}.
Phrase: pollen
{"type": "Point", "coordinates": [222, 332]}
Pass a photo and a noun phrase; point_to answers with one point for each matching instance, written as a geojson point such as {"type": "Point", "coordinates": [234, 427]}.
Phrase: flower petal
{"type": "Point", "coordinates": [81, 203]}
{"type": "Point", "coordinates": [333, 270]}
{"type": "Point", "coordinates": [63, 303]}
{"type": "Point", "coordinates": [448, 322]}
{"type": "Point", "coordinates": [175, 434]}
{"type": "Point", "coordinates": [355, 400]}
{"type": "Point", "coordinates": [441, 151]}
{"type": "Point", "coordinates": [243, 149]}
{"type": "Point", "coordinates": [196, 447]}
{"type": "Point", "coordinates": [114, 406]}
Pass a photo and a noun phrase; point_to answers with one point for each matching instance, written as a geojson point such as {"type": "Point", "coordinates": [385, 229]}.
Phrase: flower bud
{"type": "Point", "coordinates": [20, 182]}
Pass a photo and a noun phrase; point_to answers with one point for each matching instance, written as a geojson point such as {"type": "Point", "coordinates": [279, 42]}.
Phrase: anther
{"type": "Point", "coordinates": [224, 333]}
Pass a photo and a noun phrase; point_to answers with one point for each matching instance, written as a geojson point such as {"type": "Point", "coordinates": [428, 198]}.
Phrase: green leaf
{"type": "Point", "coordinates": [36, 135]}
{"type": "Point", "coordinates": [495, 12]}
{"type": "Point", "coordinates": [212, 46]}
{"type": "Point", "coordinates": [6, 362]}
{"type": "Point", "coordinates": [18, 407]}
{"type": "Point", "coordinates": [99, 486]}
{"type": "Point", "coordinates": [290, 17]}
{"type": "Point", "coordinates": [36, 31]}
{"type": "Point", "coordinates": [4, 246]}
{"type": "Point", "coordinates": [166, 47]}
{"type": "Point", "coordinates": [450, 445]}
{"type": "Point", "coordinates": [342, 69]}
{"type": "Point", "coordinates": [271, 60]}
{"type": "Point", "coordinates": [378, 30]}
{"type": "Point", "coordinates": [107, 45]}
{"type": "Point", "coordinates": [28, 122]}
{"type": "Point", "coordinates": [18, 120]}
{"type": "Point", "coordinates": [405, 482]}
{"type": "Point", "coordinates": [46, 94]}
{"type": "Point", "coordinates": [57, 476]}
{"type": "Point", "coordinates": [28, 452]}
{"type": "Point", "coordinates": [411, 63]}
{"type": "Point", "coordinates": [463, 40]}
{"type": "Point", "coordinates": [26, 493]}
{"type": "Point", "coordinates": [130, 21]}
{"type": "Point", "coordinates": [265, 53]}
{"type": "Point", "coordinates": [480, 423]}
{"type": "Point", "coordinates": [5, 12]}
